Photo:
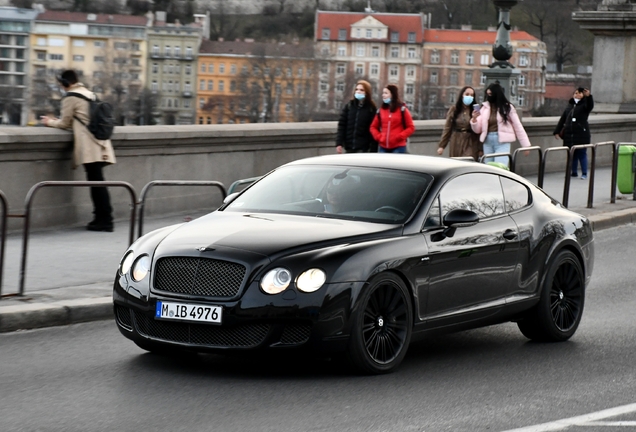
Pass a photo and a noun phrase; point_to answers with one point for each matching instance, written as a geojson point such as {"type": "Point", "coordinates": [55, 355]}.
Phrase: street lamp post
{"type": "Point", "coordinates": [501, 70]}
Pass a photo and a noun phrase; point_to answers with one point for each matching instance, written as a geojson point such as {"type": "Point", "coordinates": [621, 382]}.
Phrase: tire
{"type": "Point", "coordinates": [381, 326]}
{"type": "Point", "coordinates": [560, 308]}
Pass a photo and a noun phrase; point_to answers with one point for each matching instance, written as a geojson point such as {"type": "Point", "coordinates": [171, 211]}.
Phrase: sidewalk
{"type": "Point", "coordinates": [70, 271]}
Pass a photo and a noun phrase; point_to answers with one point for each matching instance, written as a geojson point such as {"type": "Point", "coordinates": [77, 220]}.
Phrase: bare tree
{"type": "Point", "coordinates": [539, 14]}
{"type": "Point", "coordinates": [10, 104]}
{"type": "Point", "coordinates": [224, 21]}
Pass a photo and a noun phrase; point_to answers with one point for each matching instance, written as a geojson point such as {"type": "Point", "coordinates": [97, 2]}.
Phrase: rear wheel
{"type": "Point", "coordinates": [382, 326]}
{"type": "Point", "coordinates": [560, 308]}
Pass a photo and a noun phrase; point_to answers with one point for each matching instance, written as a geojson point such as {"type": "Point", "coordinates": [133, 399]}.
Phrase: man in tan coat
{"type": "Point", "coordinates": [88, 151]}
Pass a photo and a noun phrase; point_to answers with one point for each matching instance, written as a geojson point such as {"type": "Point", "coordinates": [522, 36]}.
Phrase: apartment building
{"type": "Point", "coordinates": [453, 59]}
{"type": "Point", "coordinates": [172, 72]}
{"type": "Point", "coordinates": [251, 82]}
{"type": "Point", "coordinates": [383, 48]}
{"type": "Point", "coordinates": [15, 26]}
{"type": "Point", "coordinates": [107, 51]}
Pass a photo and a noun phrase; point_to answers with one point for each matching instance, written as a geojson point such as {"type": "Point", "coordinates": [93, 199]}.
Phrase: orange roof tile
{"type": "Point", "coordinates": [479, 37]}
{"type": "Point", "coordinates": [81, 17]}
{"type": "Point", "coordinates": [402, 23]}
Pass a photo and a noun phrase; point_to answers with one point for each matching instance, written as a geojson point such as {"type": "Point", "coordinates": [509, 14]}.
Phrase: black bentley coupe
{"type": "Point", "coordinates": [360, 255]}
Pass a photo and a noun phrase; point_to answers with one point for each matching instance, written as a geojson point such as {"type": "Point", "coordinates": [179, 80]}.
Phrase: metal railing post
{"type": "Point", "coordinates": [482, 158]}
{"type": "Point", "coordinates": [238, 183]}
{"type": "Point", "coordinates": [144, 192]}
{"type": "Point", "coordinates": [513, 164]}
{"type": "Point", "coordinates": [27, 213]}
{"type": "Point", "coordinates": [3, 233]}
{"type": "Point", "coordinates": [566, 188]}
{"type": "Point", "coordinates": [614, 167]}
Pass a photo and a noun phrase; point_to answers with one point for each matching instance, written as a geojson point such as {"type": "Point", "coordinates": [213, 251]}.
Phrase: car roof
{"type": "Point", "coordinates": [436, 166]}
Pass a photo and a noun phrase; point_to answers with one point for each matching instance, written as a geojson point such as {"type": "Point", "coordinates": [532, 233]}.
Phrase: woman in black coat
{"type": "Point", "coordinates": [355, 120]}
{"type": "Point", "coordinates": [574, 129]}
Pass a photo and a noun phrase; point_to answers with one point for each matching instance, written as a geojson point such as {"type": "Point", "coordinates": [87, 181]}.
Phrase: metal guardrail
{"type": "Point", "coordinates": [545, 161]}
{"type": "Point", "coordinates": [27, 213]}
{"type": "Point", "coordinates": [493, 155]}
{"type": "Point", "coordinates": [144, 192]}
{"type": "Point", "coordinates": [238, 183]}
{"type": "Point", "coordinates": [3, 233]}
{"type": "Point", "coordinates": [526, 151]}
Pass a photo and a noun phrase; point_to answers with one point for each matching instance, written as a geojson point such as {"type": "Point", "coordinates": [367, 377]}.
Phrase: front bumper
{"type": "Point", "coordinates": [256, 320]}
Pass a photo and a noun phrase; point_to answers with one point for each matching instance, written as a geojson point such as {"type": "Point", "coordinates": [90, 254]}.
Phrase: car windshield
{"type": "Point", "coordinates": [368, 194]}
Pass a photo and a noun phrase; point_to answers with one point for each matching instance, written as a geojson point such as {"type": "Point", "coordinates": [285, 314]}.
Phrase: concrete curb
{"type": "Point", "coordinates": [39, 315]}
{"type": "Point", "coordinates": [612, 219]}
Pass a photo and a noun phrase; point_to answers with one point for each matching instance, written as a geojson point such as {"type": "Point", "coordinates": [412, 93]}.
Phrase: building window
{"type": "Point", "coordinates": [300, 72]}
{"type": "Point", "coordinates": [41, 42]}
{"type": "Point", "coordinates": [485, 59]}
{"type": "Point", "coordinates": [375, 51]}
{"type": "Point", "coordinates": [369, 33]}
{"type": "Point", "coordinates": [325, 50]}
{"type": "Point", "coordinates": [432, 99]}
{"type": "Point", "coordinates": [211, 68]}
{"type": "Point", "coordinates": [410, 71]}
{"type": "Point", "coordinates": [41, 55]}
{"type": "Point", "coordinates": [358, 33]}
{"type": "Point", "coordinates": [154, 86]}
{"type": "Point", "coordinates": [394, 71]}
{"type": "Point", "coordinates": [201, 103]}
{"type": "Point", "coordinates": [455, 57]}
{"type": "Point", "coordinates": [209, 120]}
{"type": "Point", "coordinates": [135, 46]}
{"type": "Point", "coordinates": [167, 52]}
{"type": "Point", "coordinates": [120, 45]}
{"type": "Point", "coordinates": [210, 85]}
{"type": "Point", "coordinates": [222, 68]}
{"type": "Point", "coordinates": [288, 72]}
{"type": "Point", "coordinates": [451, 97]}
{"type": "Point", "coordinates": [482, 80]}
{"type": "Point", "coordinates": [101, 44]}
{"type": "Point", "coordinates": [324, 67]}
{"type": "Point", "coordinates": [453, 78]}
{"type": "Point", "coordinates": [359, 69]}
{"type": "Point", "coordinates": [200, 120]}
{"type": "Point", "coordinates": [340, 69]}
{"type": "Point", "coordinates": [202, 85]}
{"type": "Point", "coordinates": [470, 58]}
{"type": "Point", "coordinates": [523, 60]}
{"type": "Point", "coordinates": [78, 58]}
{"type": "Point", "coordinates": [188, 69]}
{"type": "Point", "coordinates": [326, 33]}
{"type": "Point", "coordinates": [395, 52]}
{"type": "Point", "coordinates": [324, 86]}
{"type": "Point", "coordinates": [232, 86]}
{"type": "Point", "coordinates": [360, 50]}
{"type": "Point", "coordinates": [435, 57]}
{"type": "Point", "coordinates": [177, 54]}
{"type": "Point", "coordinates": [233, 69]}
{"type": "Point", "coordinates": [375, 69]}
{"type": "Point", "coordinates": [342, 50]}
{"type": "Point", "coordinates": [342, 34]}
{"type": "Point", "coordinates": [79, 43]}
{"type": "Point", "coordinates": [434, 77]}
{"type": "Point", "coordinates": [522, 80]}
{"type": "Point", "coordinates": [468, 78]}
{"type": "Point", "coordinates": [395, 36]}
{"type": "Point", "coordinates": [340, 86]}
{"type": "Point", "coordinates": [522, 99]}
{"type": "Point", "coordinates": [410, 53]}
{"type": "Point", "coordinates": [411, 37]}
{"type": "Point", "coordinates": [186, 103]}
{"type": "Point", "coordinates": [221, 85]}
{"type": "Point", "coordinates": [56, 57]}
{"type": "Point", "coordinates": [410, 89]}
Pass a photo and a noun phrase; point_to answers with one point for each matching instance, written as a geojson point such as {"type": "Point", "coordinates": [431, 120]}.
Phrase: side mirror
{"type": "Point", "coordinates": [454, 219]}
{"type": "Point", "coordinates": [231, 197]}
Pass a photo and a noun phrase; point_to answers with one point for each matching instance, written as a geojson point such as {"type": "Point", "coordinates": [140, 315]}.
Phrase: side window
{"type": "Point", "coordinates": [516, 195]}
{"type": "Point", "coordinates": [480, 193]}
{"type": "Point", "coordinates": [433, 218]}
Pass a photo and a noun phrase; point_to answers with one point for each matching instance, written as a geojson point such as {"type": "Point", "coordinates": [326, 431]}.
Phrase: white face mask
{"type": "Point", "coordinates": [576, 100]}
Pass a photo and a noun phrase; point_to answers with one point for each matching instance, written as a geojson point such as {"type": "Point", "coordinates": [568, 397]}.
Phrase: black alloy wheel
{"type": "Point", "coordinates": [559, 312]}
{"type": "Point", "coordinates": [382, 325]}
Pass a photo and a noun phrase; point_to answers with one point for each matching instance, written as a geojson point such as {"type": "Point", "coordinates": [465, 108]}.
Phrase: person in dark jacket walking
{"type": "Point", "coordinates": [354, 135]}
{"type": "Point", "coordinates": [574, 129]}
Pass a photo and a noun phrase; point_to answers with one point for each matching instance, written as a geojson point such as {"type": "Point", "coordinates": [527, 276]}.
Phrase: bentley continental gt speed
{"type": "Point", "coordinates": [359, 255]}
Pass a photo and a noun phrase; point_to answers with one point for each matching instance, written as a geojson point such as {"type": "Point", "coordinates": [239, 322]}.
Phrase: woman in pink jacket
{"type": "Point", "coordinates": [393, 124]}
{"type": "Point", "coordinates": [498, 124]}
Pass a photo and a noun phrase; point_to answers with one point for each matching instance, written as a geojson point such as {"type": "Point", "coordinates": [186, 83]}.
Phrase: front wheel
{"type": "Point", "coordinates": [382, 325]}
{"type": "Point", "coordinates": [560, 308]}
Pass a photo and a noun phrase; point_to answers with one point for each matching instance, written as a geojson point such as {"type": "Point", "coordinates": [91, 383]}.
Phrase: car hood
{"type": "Point", "coordinates": [264, 233]}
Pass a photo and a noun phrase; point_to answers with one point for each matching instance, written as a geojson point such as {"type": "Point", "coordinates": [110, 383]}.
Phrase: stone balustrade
{"type": "Point", "coordinates": [224, 153]}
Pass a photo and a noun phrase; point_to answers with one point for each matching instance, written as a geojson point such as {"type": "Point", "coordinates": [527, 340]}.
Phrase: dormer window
{"type": "Point", "coordinates": [358, 33]}
{"type": "Point", "coordinates": [326, 33]}
{"type": "Point", "coordinates": [411, 37]}
{"type": "Point", "coordinates": [395, 36]}
{"type": "Point", "coordinates": [369, 33]}
{"type": "Point", "coordinates": [342, 34]}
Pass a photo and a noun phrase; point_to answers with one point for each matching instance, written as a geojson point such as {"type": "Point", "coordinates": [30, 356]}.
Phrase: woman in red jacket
{"type": "Point", "coordinates": [393, 124]}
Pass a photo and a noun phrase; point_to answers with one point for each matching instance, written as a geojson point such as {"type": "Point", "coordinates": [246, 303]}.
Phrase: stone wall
{"type": "Point", "coordinates": [224, 153]}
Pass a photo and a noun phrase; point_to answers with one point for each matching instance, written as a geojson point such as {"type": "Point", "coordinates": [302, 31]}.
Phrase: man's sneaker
{"type": "Point", "coordinates": [584, 177]}
{"type": "Point", "coordinates": [107, 227]}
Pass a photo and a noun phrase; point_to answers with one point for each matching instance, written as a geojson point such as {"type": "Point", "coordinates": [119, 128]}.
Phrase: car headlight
{"type": "Point", "coordinates": [276, 281]}
{"type": "Point", "coordinates": [141, 268]}
{"type": "Point", "coordinates": [126, 263]}
{"type": "Point", "coordinates": [311, 280]}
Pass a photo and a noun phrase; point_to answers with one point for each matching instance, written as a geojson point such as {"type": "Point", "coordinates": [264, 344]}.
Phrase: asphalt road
{"type": "Point", "coordinates": [87, 377]}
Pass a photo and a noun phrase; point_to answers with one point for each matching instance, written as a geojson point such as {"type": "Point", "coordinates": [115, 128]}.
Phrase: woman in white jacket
{"type": "Point", "coordinates": [498, 124]}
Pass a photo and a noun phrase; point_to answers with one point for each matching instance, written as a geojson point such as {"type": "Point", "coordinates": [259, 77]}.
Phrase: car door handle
{"type": "Point", "coordinates": [510, 234]}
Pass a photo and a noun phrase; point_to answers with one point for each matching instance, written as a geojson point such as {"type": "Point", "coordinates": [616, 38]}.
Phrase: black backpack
{"type": "Point", "coordinates": [102, 122]}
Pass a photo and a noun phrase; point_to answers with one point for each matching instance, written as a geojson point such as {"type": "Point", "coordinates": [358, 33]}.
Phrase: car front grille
{"type": "Point", "coordinates": [295, 334]}
{"type": "Point", "coordinates": [122, 315]}
{"type": "Point", "coordinates": [199, 277]}
{"type": "Point", "coordinates": [244, 336]}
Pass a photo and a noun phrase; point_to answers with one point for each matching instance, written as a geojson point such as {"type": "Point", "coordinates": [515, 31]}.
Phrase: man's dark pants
{"type": "Point", "coordinates": [101, 199]}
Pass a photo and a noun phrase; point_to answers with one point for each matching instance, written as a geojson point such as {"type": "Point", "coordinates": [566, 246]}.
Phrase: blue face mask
{"type": "Point", "coordinates": [359, 96]}
{"type": "Point", "coordinates": [387, 100]}
{"type": "Point", "coordinates": [468, 100]}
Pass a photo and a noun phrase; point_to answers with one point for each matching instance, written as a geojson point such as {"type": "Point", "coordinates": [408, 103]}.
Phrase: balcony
{"type": "Point", "coordinates": [156, 55]}
{"type": "Point", "coordinates": [187, 94]}
{"type": "Point", "coordinates": [186, 57]}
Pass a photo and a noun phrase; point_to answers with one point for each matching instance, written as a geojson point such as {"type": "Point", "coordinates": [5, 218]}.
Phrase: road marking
{"type": "Point", "coordinates": [583, 420]}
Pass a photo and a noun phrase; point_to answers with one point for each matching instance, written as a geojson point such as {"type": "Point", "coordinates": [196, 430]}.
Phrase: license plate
{"type": "Point", "coordinates": [188, 312]}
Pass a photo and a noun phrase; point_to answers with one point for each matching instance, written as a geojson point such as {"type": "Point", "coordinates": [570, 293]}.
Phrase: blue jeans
{"type": "Point", "coordinates": [580, 156]}
{"type": "Point", "coordinates": [393, 150]}
{"type": "Point", "coordinates": [492, 145]}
